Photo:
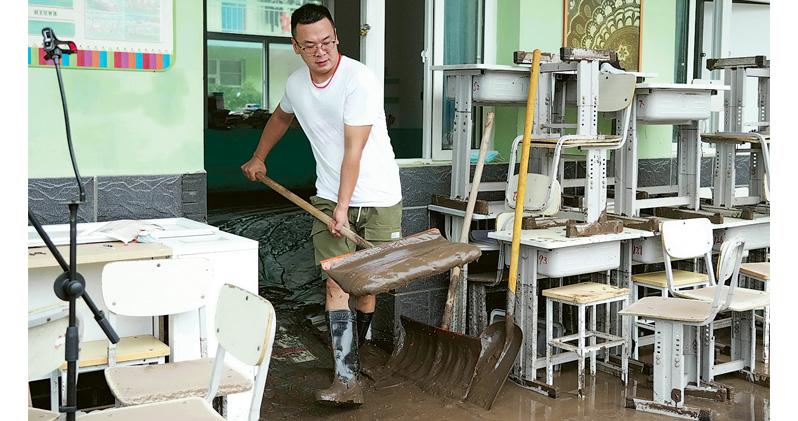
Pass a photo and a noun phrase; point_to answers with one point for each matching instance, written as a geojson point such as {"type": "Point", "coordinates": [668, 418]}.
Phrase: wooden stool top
{"type": "Point", "coordinates": [585, 293]}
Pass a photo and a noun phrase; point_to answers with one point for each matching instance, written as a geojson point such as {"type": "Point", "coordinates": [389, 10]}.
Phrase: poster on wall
{"type": "Point", "coordinates": [109, 34]}
{"type": "Point", "coordinates": [605, 25]}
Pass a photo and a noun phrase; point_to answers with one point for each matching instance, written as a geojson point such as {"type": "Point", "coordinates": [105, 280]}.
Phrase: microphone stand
{"type": "Point", "coordinates": [70, 285]}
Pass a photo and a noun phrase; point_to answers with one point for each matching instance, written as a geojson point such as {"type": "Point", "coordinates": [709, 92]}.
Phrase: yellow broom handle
{"type": "Point", "coordinates": [531, 99]}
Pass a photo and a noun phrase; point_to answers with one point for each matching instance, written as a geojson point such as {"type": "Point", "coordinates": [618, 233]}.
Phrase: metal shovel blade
{"type": "Point", "coordinates": [438, 361]}
{"type": "Point", "coordinates": [453, 365]}
{"type": "Point", "coordinates": [495, 362]}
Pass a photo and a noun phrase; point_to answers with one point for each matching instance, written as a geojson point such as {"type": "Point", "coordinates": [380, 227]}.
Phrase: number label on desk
{"type": "Point", "coordinates": [637, 250]}
{"type": "Point", "coordinates": [543, 259]}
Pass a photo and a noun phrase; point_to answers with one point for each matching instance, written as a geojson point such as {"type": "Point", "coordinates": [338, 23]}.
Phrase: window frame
{"type": "Point", "coordinates": [432, 123]}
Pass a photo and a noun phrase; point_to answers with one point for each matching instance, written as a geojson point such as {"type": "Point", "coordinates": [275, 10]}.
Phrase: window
{"type": "Point", "coordinates": [233, 12]}
{"type": "Point", "coordinates": [249, 53]}
{"type": "Point", "coordinates": [253, 17]}
{"type": "Point", "coordinates": [282, 62]}
{"type": "Point", "coordinates": [455, 35]}
{"type": "Point", "coordinates": [226, 72]}
{"type": "Point", "coordinates": [235, 68]}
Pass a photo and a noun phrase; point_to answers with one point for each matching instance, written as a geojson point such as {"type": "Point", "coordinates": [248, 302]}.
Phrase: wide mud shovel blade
{"type": "Point", "coordinates": [494, 364]}
{"type": "Point", "coordinates": [453, 365]}
{"type": "Point", "coordinates": [438, 361]}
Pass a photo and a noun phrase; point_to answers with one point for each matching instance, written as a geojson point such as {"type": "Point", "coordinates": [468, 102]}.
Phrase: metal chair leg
{"type": "Point", "coordinates": [593, 340]}
{"type": "Point", "coordinates": [54, 390]}
{"type": "Point", "coordinates": [549, 336]}
{"type": "Point", "coordinates": [581, 351]}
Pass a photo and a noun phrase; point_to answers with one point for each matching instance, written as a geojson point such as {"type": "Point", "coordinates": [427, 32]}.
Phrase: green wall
{"type": "Point", "coordinates": [123, 122]}
{"type": "Point", "coordinates": [529, 24]}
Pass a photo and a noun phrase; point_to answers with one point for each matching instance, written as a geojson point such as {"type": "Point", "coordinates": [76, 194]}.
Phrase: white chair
{"type": "Point", "coordinates": [698, 233]}
{"type": "Point", "coordinates": [45, 354]}
{"type": "Point", "coordinates": [188, 409]}
{"type": "Point", "coordinates": [539, 200]}
{"type": "Point", "coordinates": [760, 271]}
{"type": "Point", "coordinates": [245, 326]}
{"type": "Point", "coordinates": [743, 304]}
{"type": "Point", "coordinates": [146, 288]}
{"type": "Point", "coordinates": [676, 362]}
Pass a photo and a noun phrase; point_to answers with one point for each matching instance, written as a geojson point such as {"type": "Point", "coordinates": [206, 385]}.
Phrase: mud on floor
{"type": "Point", "coordinates": [295, 375]}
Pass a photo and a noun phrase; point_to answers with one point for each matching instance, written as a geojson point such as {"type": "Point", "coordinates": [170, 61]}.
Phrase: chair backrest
{"type": "Point", "coordinates": [731, 255]}
{"type": "Point", "coordinates": [537, 196]}
{"type": "Point", "coordinates": [245, 327]}
{"type": "Point", "coordinates": [46, 342]}
{"type": "Point", "coordinates": [687, 239]}
{"type": "Point", "coordinates": [156, 287]}
{"type": "Point", "coordinates": [616, 91]}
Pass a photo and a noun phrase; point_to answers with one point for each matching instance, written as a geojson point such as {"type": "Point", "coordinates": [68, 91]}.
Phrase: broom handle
{"type": "Point", "coordinates": [321, 216]}
{"type": "Point", "coordinates": [455, 278]}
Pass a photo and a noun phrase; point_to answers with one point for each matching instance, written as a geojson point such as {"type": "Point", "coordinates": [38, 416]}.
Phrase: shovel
{"type": "Point", "coordinates": [381, 268]}
{"type": "Point", "coordinates": [460, 366]}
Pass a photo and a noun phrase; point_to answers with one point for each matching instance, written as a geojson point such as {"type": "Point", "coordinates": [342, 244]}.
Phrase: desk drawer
{"type": "Point", "coordinates": [579, 260]}
{"type": "Point", "coordinates": [647, 250]}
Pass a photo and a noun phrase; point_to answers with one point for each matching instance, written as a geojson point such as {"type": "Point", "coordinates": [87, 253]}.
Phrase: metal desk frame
{"type": "Point", "coordinates": [527, 364]}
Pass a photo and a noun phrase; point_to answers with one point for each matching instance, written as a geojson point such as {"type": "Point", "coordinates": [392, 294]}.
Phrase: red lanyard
{"type": "Point", "coordinates": [331, 77]}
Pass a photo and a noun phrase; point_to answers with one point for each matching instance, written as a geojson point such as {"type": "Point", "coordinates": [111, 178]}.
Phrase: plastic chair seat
{"type": "Point", "coordinates": [743, 299]}
{"type": "Point", "coordinates": [667, 308]}
{"type": "Point", "coordinates": [135, 385]}
{"type": "Point", "coordinates": [759, 270]}
{"type": "Point", "coordinates": [194, 409]}
{"type": "Point", "coordinates": [129, 348]}
{"type": "Point", "coordinates": [36, 414]}
{"type": "Point", "coordinates": [681, 278]}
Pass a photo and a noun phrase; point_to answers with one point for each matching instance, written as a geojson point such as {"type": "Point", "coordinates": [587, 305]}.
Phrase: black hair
{"type": "Point", "coordinates": [309, 13]}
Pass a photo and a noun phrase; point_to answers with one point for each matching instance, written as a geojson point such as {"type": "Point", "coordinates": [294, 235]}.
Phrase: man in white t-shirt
{"type": "Point", "coordinates": [339, 104]}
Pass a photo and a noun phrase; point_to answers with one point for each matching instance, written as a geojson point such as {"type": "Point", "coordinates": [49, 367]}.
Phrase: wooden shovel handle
{"type": "Point", "coordinates": [307, 207]}
{"type": "Point", "coordinates": [456, 275]}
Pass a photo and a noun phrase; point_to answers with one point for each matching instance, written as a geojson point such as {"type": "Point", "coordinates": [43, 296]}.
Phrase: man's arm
{"type": "Point", "coordinates": [355, 138]}
{"type": "Point", "coordinates": [275, 129]}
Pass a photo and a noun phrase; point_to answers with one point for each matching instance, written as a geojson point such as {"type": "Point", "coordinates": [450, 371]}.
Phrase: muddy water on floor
{"type": "Point", "coordinates": [290, 389]}
{"type": "Point", "coordinates": [289, 279]}
{"type": "Point", "coordinates": [287, 273]}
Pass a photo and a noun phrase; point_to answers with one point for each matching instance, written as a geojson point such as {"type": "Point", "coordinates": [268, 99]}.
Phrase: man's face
{"type": "Point", "coordinates": [316, 43]}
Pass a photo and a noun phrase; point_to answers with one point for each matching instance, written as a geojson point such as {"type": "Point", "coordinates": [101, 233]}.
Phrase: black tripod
{"type": "Point", "coordinates": [70, 285]}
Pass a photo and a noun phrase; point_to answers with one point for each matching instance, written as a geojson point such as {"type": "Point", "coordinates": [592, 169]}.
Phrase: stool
{"type": "Point", "coordinates": [682, 279]}
{"type": "Point", "coordinates": [583, 295]}
{"type": "Point", "coordinates": [761, 272]}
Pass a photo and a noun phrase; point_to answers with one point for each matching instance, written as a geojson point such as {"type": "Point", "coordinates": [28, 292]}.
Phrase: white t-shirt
{"type": "Point", "coordinates": [355, 98]}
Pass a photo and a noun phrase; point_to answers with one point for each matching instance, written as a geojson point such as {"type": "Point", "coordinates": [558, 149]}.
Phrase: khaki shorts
{"type": "Point", "coordinates": [377, 225]}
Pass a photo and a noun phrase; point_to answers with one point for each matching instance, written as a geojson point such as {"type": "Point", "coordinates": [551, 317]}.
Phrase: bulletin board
{"type": "Point", "coordinates": [133, 35]}
{"type": "Point", "coordinates": [606, 25]}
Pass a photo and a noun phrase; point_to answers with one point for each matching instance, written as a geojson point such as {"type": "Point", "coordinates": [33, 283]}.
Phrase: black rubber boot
{"type": "Point", "coordinates": [345, 388]}
{"type": "Point", "coordinates": [363, 323]}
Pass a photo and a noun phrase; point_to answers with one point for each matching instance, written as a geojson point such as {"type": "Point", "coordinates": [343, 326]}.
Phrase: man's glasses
{"type": "Point", "coordinates": [310, 50]}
